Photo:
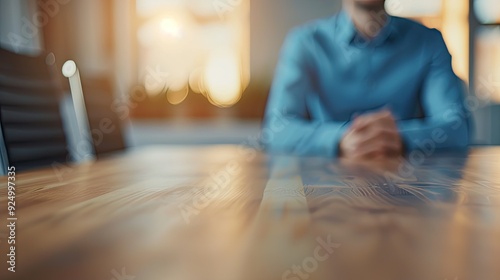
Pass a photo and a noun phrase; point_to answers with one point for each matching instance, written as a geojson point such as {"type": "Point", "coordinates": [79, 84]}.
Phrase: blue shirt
{"type": "Point", "coordinates": [327, 74]}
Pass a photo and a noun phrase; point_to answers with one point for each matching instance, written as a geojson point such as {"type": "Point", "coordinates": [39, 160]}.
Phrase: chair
{"type": "Point", "coordinates": [105, 125]}
{"type": "Point", "coordinates": [96, 115]}
{"type": "Point", "coordinates": [30, 120]}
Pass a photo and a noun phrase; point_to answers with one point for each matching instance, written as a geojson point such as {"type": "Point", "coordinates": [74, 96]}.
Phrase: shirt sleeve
{"type": "Point", "coordinates": [287, 127]}
{"type": "Point", "coordinates": [446, 123]}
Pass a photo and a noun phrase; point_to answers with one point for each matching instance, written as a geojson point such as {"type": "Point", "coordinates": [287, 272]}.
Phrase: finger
{"type": "Point", "coordinates": [380, 134]}
{"type": "Point", "coordinates": [386, 140]}
{"type": "Point", "coordinates": [381, 146]}
{"type": "Point", "coordinates": [364, 122]}
{"type": "Point", "coordinates": [357, 141]}
{"type": "Point", "coordinates": [384, 117]}
{"type": "Point", "coordinates": [380, 150]}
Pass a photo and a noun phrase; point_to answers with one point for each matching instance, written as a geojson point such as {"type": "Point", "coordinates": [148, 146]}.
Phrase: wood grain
{"type": "Point", "coordinates": [226, 212]}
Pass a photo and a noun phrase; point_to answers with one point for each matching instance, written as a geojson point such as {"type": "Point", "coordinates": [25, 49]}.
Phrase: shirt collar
{"type": "Point", "coordinates": [348, 33]}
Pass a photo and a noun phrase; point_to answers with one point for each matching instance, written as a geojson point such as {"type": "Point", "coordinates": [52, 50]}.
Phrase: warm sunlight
{"type": "Point", "coordinates": [171, 27]}
{"type": "Point", "coordinates": [222, 78]}
{"type": "Point", "coordinates": [487, 11]}
{"type": "Point", "coordinates": [185, 46]}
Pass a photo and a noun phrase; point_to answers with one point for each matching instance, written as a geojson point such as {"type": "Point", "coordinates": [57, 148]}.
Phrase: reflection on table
{"type": "Point", "coordinates": [228, 212]}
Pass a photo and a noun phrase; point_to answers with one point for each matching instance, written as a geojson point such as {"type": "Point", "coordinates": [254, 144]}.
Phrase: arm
{"type": "Point", "coordinates": [446, 123]}
{"type": "Point", "coordinates": [286, 117]}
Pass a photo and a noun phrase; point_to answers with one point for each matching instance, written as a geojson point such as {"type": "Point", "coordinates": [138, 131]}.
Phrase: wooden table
{"type": "Point", "coordinates": [226, 212]}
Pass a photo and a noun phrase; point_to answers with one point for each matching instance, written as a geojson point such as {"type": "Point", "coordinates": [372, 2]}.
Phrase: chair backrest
{"type": "Point", "coordinates": [4, 162]}
{"type": "Point", "coordinates": [93, 101]}
{"type": "Point", "coordinates": [105, 125]}
{"type": "Point", "coordinates": [30, 115]}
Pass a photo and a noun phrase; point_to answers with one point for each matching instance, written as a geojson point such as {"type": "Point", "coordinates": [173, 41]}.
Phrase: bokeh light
{"type": "Point", "coordinates": [222, 78]}
{"type": "Point", "coordinates": [412, 8]}
{"type": "Point", "coordinates": [487, 11]}
{"type": "Point", "coordinates": [175, 97]}
{"type": "Point", "coordinates": [171, 27]}
{"type": "Point", "coordinates": [487, 63]}
{"type": "Point", "coordinates": [186, 44]}
{"type": "Point", "coordinates": [196, 82]}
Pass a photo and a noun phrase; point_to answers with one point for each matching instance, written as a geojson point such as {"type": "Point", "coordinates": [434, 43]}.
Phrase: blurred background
{"type": "Point", "coordinates": [199, 71]}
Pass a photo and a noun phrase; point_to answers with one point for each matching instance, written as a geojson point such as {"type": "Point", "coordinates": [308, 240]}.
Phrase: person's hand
{"type": "Point", "coordinates": [372, 136]}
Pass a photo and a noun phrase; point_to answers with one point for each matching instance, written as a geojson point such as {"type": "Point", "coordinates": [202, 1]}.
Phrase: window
{"type": "Point", "coordinates": [194, 46]}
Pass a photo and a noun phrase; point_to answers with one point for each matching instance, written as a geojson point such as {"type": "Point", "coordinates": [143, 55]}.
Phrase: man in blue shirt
{"type": "Point", "coordinates": [363, 84]}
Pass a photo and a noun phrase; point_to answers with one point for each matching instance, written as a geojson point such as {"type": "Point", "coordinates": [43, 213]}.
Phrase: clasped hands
{"type": "Point", "coordinates": [372, 136]}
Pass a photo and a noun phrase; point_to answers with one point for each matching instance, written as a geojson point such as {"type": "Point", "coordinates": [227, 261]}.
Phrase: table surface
{"type": "Point", "coordinates": [228, 212]}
